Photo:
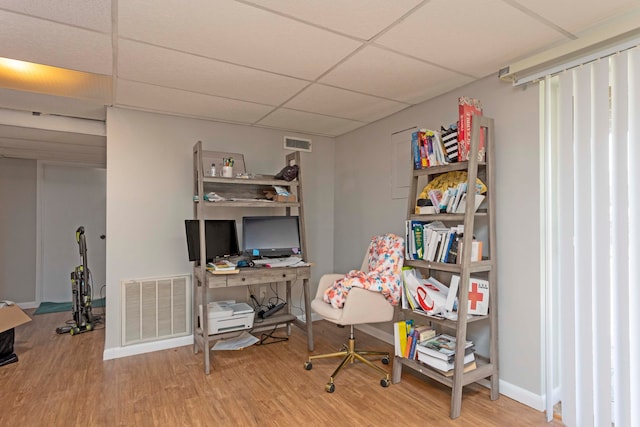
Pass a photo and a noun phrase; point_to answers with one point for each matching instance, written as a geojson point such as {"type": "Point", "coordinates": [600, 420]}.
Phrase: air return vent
{"type": "Point", "coordinates": [155, 309]}
{"type": "Point", "coordinates": [297, 144]}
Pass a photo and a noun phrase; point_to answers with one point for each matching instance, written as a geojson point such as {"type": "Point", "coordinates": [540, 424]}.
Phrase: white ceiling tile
{"type": "Point", "coordinates": [343, 103]}
{"type": "Point", "coordinates": [235, 32]}
{"type": "Point", "coordinates": [591, 12]}
{"type": "Point", "coordinates": [173, 101]}
{"type": "Point", "coordinates": [309, 122]}
{"type": "Point", "coordinates": [94, 14]}
{"type": "Point", "coordinates": [383, 73]}
{"type": "Point", "coordinates": [358, 18]}
{"type": "Point", "coordinates": [140, 62]}
{"type": "Point", "coordinates": [470, 36]}
{"type": "Point", "coordinates": [49, 104]}
{"type": "Point", "coordinates": [45, 42]}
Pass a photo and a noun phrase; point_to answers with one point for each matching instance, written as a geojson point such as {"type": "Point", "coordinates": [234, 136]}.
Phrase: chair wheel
{"type": "Point", "coordinates": [330, 387]}
{"type": "Point", "coordinates": [308, 366]}
{"type": "Point", "coordinates": [385, 382]}
{"type": "Point", "coordinates": [385, 360]}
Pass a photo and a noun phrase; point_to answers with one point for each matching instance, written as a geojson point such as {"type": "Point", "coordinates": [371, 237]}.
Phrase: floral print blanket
{"type": "Point", "coordinates": [386, 256]}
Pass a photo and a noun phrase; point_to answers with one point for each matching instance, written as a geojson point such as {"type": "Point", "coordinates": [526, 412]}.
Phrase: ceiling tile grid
{"type": "Point", "coordinates": [333, 101]}
{"type": "Point", "coordinates": [470, 36]}
{"type": "Point", "coordinates": [179, 70]}
{"type": "Point", "coordinates": [159, 99]}
{"type": "Point", "coordinates": [236, 33]}
{"type": "Point", "coordinates": [591, 12]}
{"type": "Point", "coordinates": [309, 122]}
{"type": "Point", "coordinates": [312, 67]}
{"type": "Point", "coordinates": [362, 19]}
{"type": "Point", "coordinates": [389, 75]}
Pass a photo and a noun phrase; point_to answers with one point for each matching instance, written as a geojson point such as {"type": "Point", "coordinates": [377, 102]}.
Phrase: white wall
{"type": "Point", "coordinates": [364, 207]}
{"type": "Point", "coordinates": [43, 205]}
{"type": "Point", "coordinates": [150, 190]}
{"type": "Point", "coordinates": [18, 230]}
{"type": "Point", "coordinates": [70, 197]}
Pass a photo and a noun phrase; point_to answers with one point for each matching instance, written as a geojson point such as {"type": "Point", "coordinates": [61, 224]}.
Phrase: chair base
{"type": "Point", "coordinates": [350, 355]}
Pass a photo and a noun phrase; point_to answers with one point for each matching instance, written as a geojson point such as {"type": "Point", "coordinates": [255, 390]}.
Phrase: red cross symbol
{"type": "Point", "coordinates": [474, 296]}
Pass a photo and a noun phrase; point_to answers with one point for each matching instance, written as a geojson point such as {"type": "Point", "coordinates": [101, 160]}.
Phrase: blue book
{"type": "Point", "coordinates": [415, 148]}
{"type": "Point", "coordinates": [416, 337]}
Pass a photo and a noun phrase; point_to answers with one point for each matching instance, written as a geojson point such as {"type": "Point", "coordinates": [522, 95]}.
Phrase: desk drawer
{"type": "Point", "coordinates": [217, 280]}
{"type": "Point", "coordinates": [261, 275]}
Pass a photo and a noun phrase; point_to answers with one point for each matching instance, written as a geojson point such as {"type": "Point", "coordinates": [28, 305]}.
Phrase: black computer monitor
{"type": "Point", "coordinates": [271, 236]}
{"type": "Point", "coordinates": [221, 238]}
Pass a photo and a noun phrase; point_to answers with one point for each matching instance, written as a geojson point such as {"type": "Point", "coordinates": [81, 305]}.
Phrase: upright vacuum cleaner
{"type": "Point", "coordinates": [81, 293]}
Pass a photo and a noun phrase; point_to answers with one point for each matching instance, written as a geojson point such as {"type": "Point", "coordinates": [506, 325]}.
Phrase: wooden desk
{"type": "Point", "coordinates": [246, 277]}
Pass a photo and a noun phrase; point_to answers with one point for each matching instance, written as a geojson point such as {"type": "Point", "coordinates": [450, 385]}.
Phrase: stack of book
{"type": "Point", "coordinates": [440, 352]}
{"type": "Point", "coordinates": [432, 241]}
{"type": "Point", "coordinates": [453, 199]}
{"type": "Point", "coordinates": [407, 336]}
{"type": "Point", "coordinates": [222, 267]}
{"type": "Point", "coordinates": [428, 149]}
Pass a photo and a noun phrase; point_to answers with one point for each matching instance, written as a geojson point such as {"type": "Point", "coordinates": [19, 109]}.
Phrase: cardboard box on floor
{"type": "Point", "coordinates": [11, 316]}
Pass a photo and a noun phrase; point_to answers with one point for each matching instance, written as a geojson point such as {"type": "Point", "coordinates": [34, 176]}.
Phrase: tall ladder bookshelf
{"type": "Point", "coordinates": [487, 367]}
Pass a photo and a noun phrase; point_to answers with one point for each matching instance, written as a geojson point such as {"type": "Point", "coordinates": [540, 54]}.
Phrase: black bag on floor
{"type": "Point", "coordinates": [6, 347]}
{"type": "Point", "coordinates": [6, 342]}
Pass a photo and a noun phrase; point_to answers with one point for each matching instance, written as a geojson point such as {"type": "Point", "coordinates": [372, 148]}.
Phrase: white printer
{"type": "Point", "coordinates": [228, 316]}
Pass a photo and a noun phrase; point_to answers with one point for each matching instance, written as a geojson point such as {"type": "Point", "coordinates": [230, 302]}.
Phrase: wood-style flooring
{"type": "Point", "coordinates": [61, 380]}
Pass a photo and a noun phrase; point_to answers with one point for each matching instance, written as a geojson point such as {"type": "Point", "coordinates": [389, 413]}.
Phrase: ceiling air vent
{"type": "Point", "coordinates": [297, 144]}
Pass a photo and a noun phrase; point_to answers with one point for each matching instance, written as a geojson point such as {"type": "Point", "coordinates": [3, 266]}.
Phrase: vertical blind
{"type": "Point", "coordinates": [593, 143]}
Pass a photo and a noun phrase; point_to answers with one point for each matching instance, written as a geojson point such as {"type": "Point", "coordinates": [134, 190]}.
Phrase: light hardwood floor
{"type": "Point", "coordinates": [61, 380]}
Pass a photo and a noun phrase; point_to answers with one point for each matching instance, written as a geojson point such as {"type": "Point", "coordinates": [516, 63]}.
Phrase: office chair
{"type": "Point", "coordinates": [362, 296]}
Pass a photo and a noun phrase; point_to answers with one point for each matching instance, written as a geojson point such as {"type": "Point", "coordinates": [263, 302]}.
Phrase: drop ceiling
{"type": "Point", "coordinates": [312, 67]}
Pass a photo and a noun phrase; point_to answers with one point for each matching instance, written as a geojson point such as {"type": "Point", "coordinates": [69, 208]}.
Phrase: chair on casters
{"type": "Point", "coordinates": [370, 293]}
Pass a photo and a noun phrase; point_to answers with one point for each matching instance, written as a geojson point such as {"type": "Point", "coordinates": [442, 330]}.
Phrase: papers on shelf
{"type": "Point", "coordinates": [243, 340]}
{"type": "Point", "coordinates": [241, 199]}
{"type": "Point", "coordinates": [290, 261]}
{"type": "Point", "coordinates": [213, 197]}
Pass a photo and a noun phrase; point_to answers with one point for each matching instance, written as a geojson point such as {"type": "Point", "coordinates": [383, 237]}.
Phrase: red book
{"type": "Point", "coordinates": [467, 108]}
{"type": "Point", "coordinates": [407, 350]}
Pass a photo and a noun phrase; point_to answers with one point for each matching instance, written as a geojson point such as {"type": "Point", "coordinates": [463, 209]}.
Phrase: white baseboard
{"type": "Point", "coordinates": [516, 393]}
{"type": "Point", "coordinates": [523, 396]}
{"type": "Point", "coordinates": [31, 304]}
{"type": "Point", "coordinates": [148, 347]}
{"type": "Point", "coordinates": [376, 333]}
{"type": "Point", "coordinates": [314, 317]}
{"type": "Point", "coordinates": [132, 350]}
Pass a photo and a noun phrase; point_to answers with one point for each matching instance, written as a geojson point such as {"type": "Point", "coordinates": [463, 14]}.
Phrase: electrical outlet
{"type": "Point", "coordinates": [263, 292]}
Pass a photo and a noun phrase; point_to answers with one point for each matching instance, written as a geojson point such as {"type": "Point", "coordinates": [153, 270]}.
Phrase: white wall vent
{"type": "Point", "coordinates": [155, 309]}
{"type": "Point", "coordinates": [297, 144]}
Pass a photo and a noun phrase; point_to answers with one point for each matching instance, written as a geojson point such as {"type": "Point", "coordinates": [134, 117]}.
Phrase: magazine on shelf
{"type": "Point", "coordinates": [443, 347]}
{"type": "Point", "coordinates": [443, 365]}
